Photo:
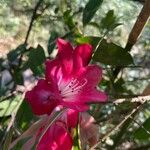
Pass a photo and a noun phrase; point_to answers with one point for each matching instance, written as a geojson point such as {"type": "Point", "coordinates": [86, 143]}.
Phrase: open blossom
{"type": "Point", "coordinates": [69, 81]}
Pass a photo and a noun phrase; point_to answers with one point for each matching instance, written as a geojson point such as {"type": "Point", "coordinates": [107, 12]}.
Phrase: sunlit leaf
{"type": "Point", "coordinates": [9, 106]}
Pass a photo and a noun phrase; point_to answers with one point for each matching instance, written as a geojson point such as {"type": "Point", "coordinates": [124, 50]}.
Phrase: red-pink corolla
{"type": "Point", "coordinates": [69, 81]}
{"type": "Point", "coordinates": [59, 136]}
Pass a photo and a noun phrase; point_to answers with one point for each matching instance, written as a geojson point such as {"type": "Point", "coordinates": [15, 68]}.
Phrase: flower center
{"type": "Point", "coordinates": [73, 87]}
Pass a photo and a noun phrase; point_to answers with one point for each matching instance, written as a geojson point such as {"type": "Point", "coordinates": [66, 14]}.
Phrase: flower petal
{"type": "Point", "coordinates": [42, 98]}
{"type": "Point", "coordinates": [89, 131]}
{"type": "Point", "coordinates": [72, 118]}
{"type": "Point", "coordinates": [65, 51]}
{"type": "Point", "coordinates": [75, 104]}
{"type": "Point", "coordinates": [92, 74]}
{"type": "Point", "coordinates": [56, 138]}
{"type": "Point", "coordinates": [92, 95]}
{"type": "Point", "coordinates": [53, 72]}
{"type": "Point", "coordinates": [82, 55]}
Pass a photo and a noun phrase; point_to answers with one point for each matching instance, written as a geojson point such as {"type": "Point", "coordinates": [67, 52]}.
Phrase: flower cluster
{"type": "Point", "coordinates": [71, 83]}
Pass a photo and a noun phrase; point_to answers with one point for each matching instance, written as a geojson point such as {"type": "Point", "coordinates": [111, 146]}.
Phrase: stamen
{"type": "Point", "coordinates": [73, 87]}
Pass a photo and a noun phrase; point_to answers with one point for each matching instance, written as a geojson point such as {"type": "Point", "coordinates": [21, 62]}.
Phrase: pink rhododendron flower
{"type": "Point", "coordinates": [69, 81]}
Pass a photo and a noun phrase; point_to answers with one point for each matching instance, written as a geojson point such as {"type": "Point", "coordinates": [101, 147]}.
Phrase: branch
{"type": "Point", "coordinates": [141, 100]}
{"type": "Point", "coordinates": [139, 25]}
{"type": "Point", "coordinates": [34, 16]}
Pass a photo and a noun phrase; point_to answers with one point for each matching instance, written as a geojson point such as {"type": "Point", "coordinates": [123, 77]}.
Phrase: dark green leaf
{"type": "Point", "coordinates": [36, 60]}
{"type": "Point", "coordinates": [141, 134]}
{"type": "Point", "coordinates": [13, 55]}
{"type": "Point", "coordinates": [17, 76]}
{"type": "Point", "coordinates": [69, 20]}
{"type": "Point", "coordinates": [112, 54]}
{"type": "Point", "coordinates": [110, 21]}
{"type": "Point", "coordinates": [51, 41]}
{"type": "Point", "coordinates": [24, 116]}
{"type": "Point", "coordinates": [90, 9]}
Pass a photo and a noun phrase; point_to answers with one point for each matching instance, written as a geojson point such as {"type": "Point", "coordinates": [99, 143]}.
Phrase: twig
{"type": "Point", "coordinates": [139, 99]}
{"type": "Point", "coordinates": [34, 16]}
{"type": "Point", "coordinates": [142, 100]}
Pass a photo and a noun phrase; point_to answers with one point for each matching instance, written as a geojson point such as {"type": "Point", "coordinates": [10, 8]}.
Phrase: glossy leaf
{"type": "Point", "coordinates": [90, 9]}
{"type": "Point", "coordinates": [112, 54]}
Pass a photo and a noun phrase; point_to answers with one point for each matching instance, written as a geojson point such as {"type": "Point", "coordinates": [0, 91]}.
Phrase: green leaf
{"type": "Point", "coordinates": [90, 9]}
{"type": "Point", "coordinates": [17, 76]}
{"type": "Point", "coordinates": [69, 20]}
{"type": "Point", "coordinates": [36, 60]}
{"type": "Point", "coordinates": [9, 106]}
{"type": "Point", "coordinates": [51, 41]}
{"type": "Point", "coordinates": [88, 39]}
{"type": "Point", "coordinates": [24, 116]}
{"type": "Point", "coordinates": [110, 21]}
{"type": "Point", "coordinates": [141, 134]}
{"type": "Point", "coordinates": [112, 54]}
{"type": "Point", "coordinates": [13, 55]}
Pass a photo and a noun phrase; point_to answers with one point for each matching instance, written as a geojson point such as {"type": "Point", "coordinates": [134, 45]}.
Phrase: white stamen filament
{"type": "Point", "coordinates": [73, 87]}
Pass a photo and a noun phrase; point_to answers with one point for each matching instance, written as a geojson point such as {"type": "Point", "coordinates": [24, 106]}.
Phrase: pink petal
{"type": "Point", "coordinates": [42, 98]}
{"type": "Point", "coordinates": [56, 138]}
{"type": "Point", "coordinates": [53, 71]}
{"type": "Point", "coordinates": [92, 95]}
{"type": "Point", "coordinates": [92, 74]}
{"type": "Point", "coordinates": [75, 104]}
{"type": "Point", "coordinates": [72, 118]}
{"type": "Point", "coordinates": [65, 51]}
{"type": "Point", "coordinates": [82, 55]}
{"type": "Point", "coordinates": [89, 131]}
